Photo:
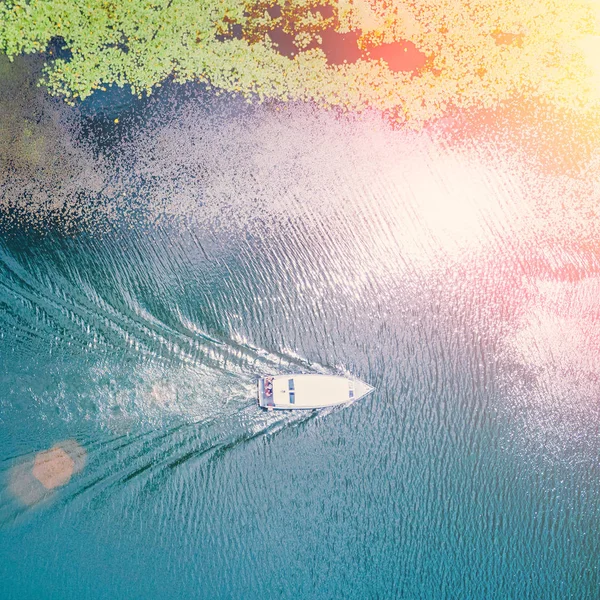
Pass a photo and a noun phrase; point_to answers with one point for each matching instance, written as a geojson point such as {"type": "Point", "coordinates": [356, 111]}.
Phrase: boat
{"type": "Point", "coordinates": [307, 390]}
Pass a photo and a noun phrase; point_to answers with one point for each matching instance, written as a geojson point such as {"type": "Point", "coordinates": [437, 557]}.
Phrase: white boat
{"type": "Point", "coordinates": [302, 391]}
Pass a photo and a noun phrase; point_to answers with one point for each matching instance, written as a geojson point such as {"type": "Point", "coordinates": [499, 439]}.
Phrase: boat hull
{"type": "Point", "coordinates": [308, 391]}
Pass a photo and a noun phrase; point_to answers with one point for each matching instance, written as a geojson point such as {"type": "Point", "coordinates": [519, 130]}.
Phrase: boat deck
{"type": "Point", "coordinates": [265, 399]}
{"type": "Point", "coordinates": [308, 390]}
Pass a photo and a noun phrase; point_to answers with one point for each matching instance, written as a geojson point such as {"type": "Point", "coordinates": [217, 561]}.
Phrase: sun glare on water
{"type": "Point", "coordinates": [456, 203]}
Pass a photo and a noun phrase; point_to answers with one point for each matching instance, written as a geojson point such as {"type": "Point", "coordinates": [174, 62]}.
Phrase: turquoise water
{"type": "Point", "coordinates": [252, 240]}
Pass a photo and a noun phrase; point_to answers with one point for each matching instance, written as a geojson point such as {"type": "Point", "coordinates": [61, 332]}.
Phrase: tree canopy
{"type": "Point", "coordinates": [414, 59]}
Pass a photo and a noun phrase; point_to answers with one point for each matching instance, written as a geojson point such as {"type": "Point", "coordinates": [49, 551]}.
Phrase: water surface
{"type": "Point", "coordinates": [220, 241]}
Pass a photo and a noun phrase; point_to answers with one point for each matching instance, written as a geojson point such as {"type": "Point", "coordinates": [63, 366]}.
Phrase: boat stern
{"type": "Point", "coordinates": [265, 392]}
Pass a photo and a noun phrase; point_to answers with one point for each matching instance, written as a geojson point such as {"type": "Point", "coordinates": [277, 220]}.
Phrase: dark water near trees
{"type": "Point", "coordinates": [217, 242]}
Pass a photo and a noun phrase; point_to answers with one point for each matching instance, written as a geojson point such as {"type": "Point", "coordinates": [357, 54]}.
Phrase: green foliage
{"type": "Point", "coordinates": [479, 52]}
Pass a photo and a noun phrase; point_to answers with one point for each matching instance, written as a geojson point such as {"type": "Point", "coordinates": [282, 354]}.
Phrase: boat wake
{"type": "Point", "coordinates": [135, 372]}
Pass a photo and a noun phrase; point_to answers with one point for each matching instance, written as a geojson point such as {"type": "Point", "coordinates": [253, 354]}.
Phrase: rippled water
{"type": "Point", "coordinates": [250, 240]}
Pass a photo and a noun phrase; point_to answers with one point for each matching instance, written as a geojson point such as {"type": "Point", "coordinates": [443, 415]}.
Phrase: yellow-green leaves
{"type": "Point", "coordinates": [478, 52]}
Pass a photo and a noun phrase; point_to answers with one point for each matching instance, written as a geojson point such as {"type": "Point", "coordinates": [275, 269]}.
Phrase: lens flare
{"type": "Point", "coordinates": [33, 479]}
